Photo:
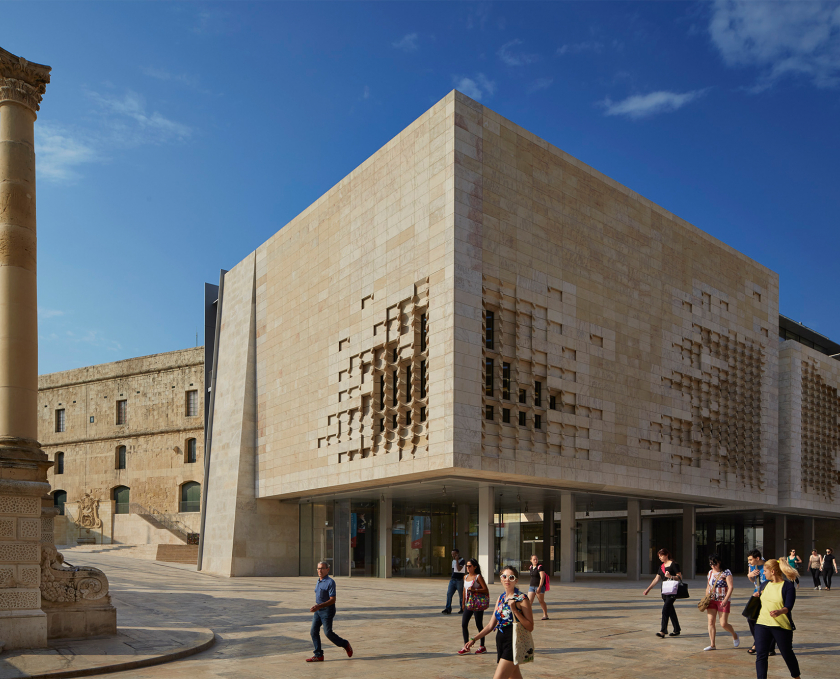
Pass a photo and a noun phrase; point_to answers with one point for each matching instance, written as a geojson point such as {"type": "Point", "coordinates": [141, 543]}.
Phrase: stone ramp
{"type": "Point", "coordinates": [187, 554]}
{"type": "Point", "coordinates": [130, 648]}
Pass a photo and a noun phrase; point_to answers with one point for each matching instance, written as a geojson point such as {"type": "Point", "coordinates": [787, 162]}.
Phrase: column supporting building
{"type": "Point", "coordinates": [688, 556]}
{"type": "Point", "coordinates": [567, 537]}
{"type": "Point", "coordinates": [634, 537]}
{"type": "Point", "coordinates": [548, 537]}
{"type": "Point", "coordinates": [385, 539]}
{"type": "Point", "coordinates": [486, 532]}
{"type": "Point", "coordinates": [780, 544]}
{"type": "Point", "coordinates": [810, 540]}
{"type": "Point", "coordinates": [462, 528]}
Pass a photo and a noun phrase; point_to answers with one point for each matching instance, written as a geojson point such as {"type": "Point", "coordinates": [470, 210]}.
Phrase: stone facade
{"type": "Point", "coordinates": [472, 302]}
{"type": "Point", "coordinates": [156, 435]}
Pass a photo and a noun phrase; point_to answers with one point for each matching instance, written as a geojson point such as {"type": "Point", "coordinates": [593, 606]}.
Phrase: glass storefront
{"type": "Point", "coordinates": [342, 533]}
{"type": "Point", "coordinates": [601, 546]}
{"type": "Point", "coordinates": [424, 535]}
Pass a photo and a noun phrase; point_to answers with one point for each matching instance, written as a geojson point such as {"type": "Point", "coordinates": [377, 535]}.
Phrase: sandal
{"type": "Point", "coordinates": [545, 617]}
{"type": "Point", "coordinates": [751, 651]}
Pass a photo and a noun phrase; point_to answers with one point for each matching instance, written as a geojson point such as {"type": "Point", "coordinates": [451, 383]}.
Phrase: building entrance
{"type": "Point", "coordinates": [342, 533]}
{"type": "Point", "coordinates": [425, 534]}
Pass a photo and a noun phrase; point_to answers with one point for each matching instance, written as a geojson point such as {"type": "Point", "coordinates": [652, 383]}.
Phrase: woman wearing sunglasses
{"type": "Point", "coordinates": [511, 606]}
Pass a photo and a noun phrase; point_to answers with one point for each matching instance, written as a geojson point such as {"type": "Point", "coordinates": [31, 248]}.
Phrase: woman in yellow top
{"type": "Point", "coordinates": [775, 621]}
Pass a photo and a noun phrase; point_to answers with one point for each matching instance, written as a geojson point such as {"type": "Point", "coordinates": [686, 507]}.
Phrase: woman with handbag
{"type": "Point", "coordinates": [814, 565]}
{"type": "Point", "coordinates": [513, 617]}
{"type": "Point", "coordinates": [774, 622]}
{"type": "Point", "coordinates": [670, 575]}
{"type": "Point", "coordinates": [476, 601]}
{"type": "Point", "coordinates": [720, 588]}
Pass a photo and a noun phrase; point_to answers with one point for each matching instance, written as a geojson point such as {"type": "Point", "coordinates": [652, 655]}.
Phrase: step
{"type": "Point", "coordinates": [187, 554]}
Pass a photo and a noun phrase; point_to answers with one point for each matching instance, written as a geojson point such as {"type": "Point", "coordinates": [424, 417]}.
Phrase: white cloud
{"type": "Point", "coordinates": [408, 43]}
{"type": "Point", "coordinates": [148, 126]}
{"type": "Point", "coordinates": [475, 88]}
{"type": "Point", "coordinates": [60, 151]}
{"type": "Point", "coordinates": [44, 314]}
{"type": "Point", "coordinates": [780, 38]}
{"type": "Point", "coordinates": [645, 105]}
{"type": "Point", "coordinates": [576, 48]}
{"type": "Point", "coordinates": [507, 55]}
{"type": "Point", "coordinates": [540, 84]}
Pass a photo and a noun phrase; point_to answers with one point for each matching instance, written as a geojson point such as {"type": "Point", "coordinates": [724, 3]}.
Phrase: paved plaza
{"type": "Point", "coordinates": [604, 628]}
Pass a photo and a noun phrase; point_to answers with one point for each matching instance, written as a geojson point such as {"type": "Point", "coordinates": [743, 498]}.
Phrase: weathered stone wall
{"type": "Point", "coordinates": [809, 429]}
{"type": "Point", "coordinates": [155, 433]}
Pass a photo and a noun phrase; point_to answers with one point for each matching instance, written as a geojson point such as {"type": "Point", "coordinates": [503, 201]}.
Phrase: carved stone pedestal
{"type": "Point", "coordinates": [75, 598]}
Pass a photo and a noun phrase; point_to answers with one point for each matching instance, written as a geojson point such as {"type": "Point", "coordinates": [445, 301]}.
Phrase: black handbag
{"type": "Point", "coordinates": [752, 609]}
{"type": "Point", "coordinates": [682, 590]}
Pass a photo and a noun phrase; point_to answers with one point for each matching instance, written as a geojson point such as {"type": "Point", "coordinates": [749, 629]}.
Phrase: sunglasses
{"type": "Point", "coordinates": [510, 578]}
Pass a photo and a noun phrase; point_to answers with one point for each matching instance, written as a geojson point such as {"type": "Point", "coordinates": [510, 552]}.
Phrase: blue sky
{"type": "Point", "coordinates": [175, 138]}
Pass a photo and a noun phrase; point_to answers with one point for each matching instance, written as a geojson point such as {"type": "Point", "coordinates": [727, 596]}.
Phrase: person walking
{"type": "Point", "coordinates": [775, 622]}
{"type": "Point", "coordinates": [829, 567]}
{"type": "Point", "coordinates": [537, 586]}
{"type": "Point", "coordinates": [720, 586]}
{"type": "Point", "coordinates": [793, 562]}
{"type": "Point", "coordinates": [756, 574]}
{"type": "Point", "coordinates": [324, 610]}
{"type": "Point", "coordinates": [814, 565]}
{"type": "Point", "coordinates": [456, 582]}
{"type": "Point", "coordinates": [511, 606]}
{"type": "Point", "coordinates": [476, 594]}
{"type": "Point", "coordinates": [668, 570]}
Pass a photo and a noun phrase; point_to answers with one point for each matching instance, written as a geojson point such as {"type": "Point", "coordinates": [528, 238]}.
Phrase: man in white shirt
{"type": "Point", "coordinates": [456, 582]}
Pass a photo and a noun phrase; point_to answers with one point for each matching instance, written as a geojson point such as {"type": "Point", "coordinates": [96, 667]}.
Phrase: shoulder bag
{"type": "Point", "coordinates": [477, 602]}
{"type": "Point", "coordinates": [703, 604]}
{"type": "Point", "coordinates": [752, 609]}
{"type": "Point", "coordinates": [523, 645]}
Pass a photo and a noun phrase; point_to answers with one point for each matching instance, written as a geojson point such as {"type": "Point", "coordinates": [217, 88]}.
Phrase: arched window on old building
{"type": "Point", "coordinates": [59, 500]}
{"type": "Point", "coordinates": [191, 497]}
{"type": "Point", "coordinates": [59, 463]}
{"type": "Point", "coordinates": [121, 499]}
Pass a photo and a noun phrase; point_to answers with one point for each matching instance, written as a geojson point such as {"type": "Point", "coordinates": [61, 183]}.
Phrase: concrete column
{"type": "Point", "coordinates": [634, 539]}
{"type": "Point", "coordinates": [780, 544]}
{"type": "Point", "coordinates": [689, 559]}
{"type": "Point", "coordinates": [567, 537]}
{"type": "Point", "coordinates": [548, 537]}
{"type": "Point", "coordinates": [462, 527]}
{"type": "Point", "coordinates": [486, 532]}
{"type": "Point", "coordinates": [385, 541]}
{"type": "Point", "coordinates": [808, 540]}
{"type": "Point", "coordinates": [23, 465]}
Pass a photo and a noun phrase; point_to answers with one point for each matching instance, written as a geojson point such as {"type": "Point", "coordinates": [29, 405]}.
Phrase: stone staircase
{"type": "Point", "coordinates": [187, 554]}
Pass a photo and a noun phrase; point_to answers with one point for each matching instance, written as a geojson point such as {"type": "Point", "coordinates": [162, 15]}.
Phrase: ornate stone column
{"type": "Point", "coordinates": [23, 465]}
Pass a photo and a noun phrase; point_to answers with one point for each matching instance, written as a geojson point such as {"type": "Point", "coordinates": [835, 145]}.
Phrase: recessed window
{"type": "Point", "coordinates": [423, 414]}
{"type": "Point", "coordinates": [522, 396]}
{"type": "Point", "coordinates": [552, 403]}
{"type": "Point", "coordinates": [59, 500]}
{"type": "Point", "coordinates": [121, 499]}
{"type": "Point", "coordinates": [395, 422]}
{"type": "Point", "coordinates": [506, 380]}
{"type": "Point", "coordinates": [488, 376]}
{"type": "Point", "coordinates": [91, 419]}
{"type": "Point", "coordinates": [59, 463]}
{"type": "Point", "coordinates": [60, 422]}
{"type": "Point", "coordinates": [408, 384]}
{"type": "Point", "coordinates": [538, 394]}
{"type": "Point", "coordinates": [395, 388]}
{"type": "Point", "coordinates": [192, 403]}
{"type": "Point", "coordinates": [191, 497]}
{"type": "Point", "coordinates": [537, 421]}
{"type": "Point", "coordinates": [382, 391]}
{"type": "Point", "coordinates": [488, 413]}
{"type": "Point", "coordinates": [407, 418]}
{"type": "Point", "coordinates": [423, 332]}
{"type": "Point", "coordinates": [122, 411]}
{"type": "Point", "coordinates": [506, 415]}
{"type": "Point", "coordinates": [521, 419]}
{"type": "Point", "coordinates": [192, 451]}
{"type": "Point", "coordinates": [381, 424]}
{"type": "Point", "coordinates": [489, 318]}
{"type": "Point", "coordinates": [121, 454]}
{"type": "Point", "coordinates": [423, 379]}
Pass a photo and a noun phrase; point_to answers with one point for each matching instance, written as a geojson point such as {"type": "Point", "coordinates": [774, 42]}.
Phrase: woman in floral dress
{"type": "Point", "coordinates": [511, 606]}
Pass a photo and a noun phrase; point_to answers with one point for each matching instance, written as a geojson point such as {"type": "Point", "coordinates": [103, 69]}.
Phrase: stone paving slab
{"type": "Point", "coordinates": [130, 648]}
{"type": "Point", "coordinates": [599, 628]}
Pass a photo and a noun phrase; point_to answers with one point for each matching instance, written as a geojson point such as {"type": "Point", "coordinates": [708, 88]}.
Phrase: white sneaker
{"type": "Point", "coordinates": [736, 642]}
{"type": "Point", "coordinates": [710, 648]}
{"type": "Point", "coordinates": [820, 587]}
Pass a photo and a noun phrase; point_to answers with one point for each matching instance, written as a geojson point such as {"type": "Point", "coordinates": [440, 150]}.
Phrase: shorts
{"type": "Point", "coordinates": [535, 589]}
{"type": "Point", "coordinates": [720, 606]}
{"type": "Point", "coordinates": [504, 644]}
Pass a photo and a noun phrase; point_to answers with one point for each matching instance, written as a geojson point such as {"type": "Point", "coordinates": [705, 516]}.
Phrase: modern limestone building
{"type": "Point", "coordinates": [476, 340]}
{"type": "Point", "coordinates": [127, 443]}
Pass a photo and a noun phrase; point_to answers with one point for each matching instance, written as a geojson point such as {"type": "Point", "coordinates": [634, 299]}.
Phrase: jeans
{"type": "Point", "coordinates": [815, 573]}
{"type": "Point", "coordinates": [669, 612]}
{"type": "Point", "coordinates": [751, 623]}
{"type": "Point", "coordinates": [465, 624]}
{"type": "Point", "coordinates": [827, 577]}
{"type": "Point", "coordinates": [324, 618]}
{"type": "Point", "coordinates": [453, 586]}
{"type": "Point", "coordinates": [784, 639]}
